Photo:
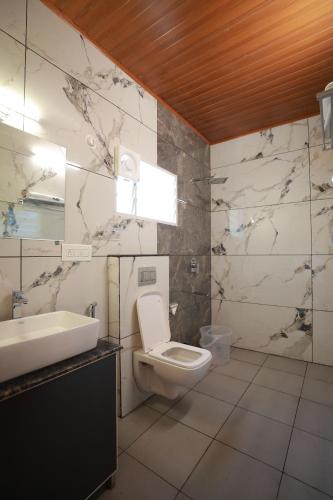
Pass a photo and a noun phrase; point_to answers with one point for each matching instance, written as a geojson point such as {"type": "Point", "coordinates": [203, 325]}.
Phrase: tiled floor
{"type": "Point", "coordinates": [258, 428]}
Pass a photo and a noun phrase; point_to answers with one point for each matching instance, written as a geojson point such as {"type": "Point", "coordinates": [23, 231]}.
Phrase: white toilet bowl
{"type": "Point", "coordinates": [161, 366]}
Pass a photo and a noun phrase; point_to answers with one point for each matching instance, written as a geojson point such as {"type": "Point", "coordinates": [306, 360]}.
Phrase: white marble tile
{"type": "Point", "coordinates": [114, 290]}
{"type": "Point", "coordinates": [289, 137]}
{"type": "Point", "coordinates": [323, 337]}
{"type": "Point", "coordinates": [321, 171]}
{"type": "Point", "coordinates": [130, 290]}
{"type": "Point", "coordinates": [282, 178]}
{"type": "Point", "coordinates": [275, 280]}
{"type": "Point", "coordinates": [10, 247]}
{"type": "Point", "coordinates": [131, 396]}
{"type": "Point", "coordinates": [315, 135]}
{"type": "Point", "coordinates": [280, 229]}
{"type": "Point", "coordinates": [40, 248]}
{"type": "Point", "coordinates": [12, 56]}
{"type": "Point", "coordinates": [322, 226]}
{"type": "Point", "coordinates": [13, 17]}
{"type": "Point", "coordinates": [271, 329]}
{"type": "Point", "coordinates": [58, 42]}
{"type": "Point", "coordinates": [85, 123]}
{"type": "Point", "coordinates": [50, 285]}
{"type": "Point", "coordinates": [9, 281]}
{"type": "Point", "coordinates": [322, 272]}
{"type": "Point", "coordinates": [91, 217]}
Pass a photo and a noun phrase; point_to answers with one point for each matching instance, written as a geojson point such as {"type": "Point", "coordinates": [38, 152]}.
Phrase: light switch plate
{"type": "Point", "coordinates": [73, 253]}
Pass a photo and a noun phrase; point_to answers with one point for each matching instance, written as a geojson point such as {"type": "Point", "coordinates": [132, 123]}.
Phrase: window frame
{"type": "Point", "coordinates": [138, 217]}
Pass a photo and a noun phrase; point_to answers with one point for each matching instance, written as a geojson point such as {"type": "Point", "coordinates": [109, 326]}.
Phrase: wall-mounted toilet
{"type": "Point", "coordinates": [162, 366]}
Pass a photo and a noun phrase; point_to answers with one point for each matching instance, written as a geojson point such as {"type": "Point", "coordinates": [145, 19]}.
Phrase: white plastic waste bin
{"type": "Point", "coordinates": [217, 339]}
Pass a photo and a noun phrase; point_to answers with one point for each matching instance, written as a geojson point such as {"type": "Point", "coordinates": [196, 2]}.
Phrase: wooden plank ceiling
{"type": "Point", "coordinates": [228, 67]}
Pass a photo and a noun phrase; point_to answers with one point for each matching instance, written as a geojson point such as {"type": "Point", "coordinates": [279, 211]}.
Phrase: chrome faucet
{"type": "Point", "coordinates": [92, 310]}
{"type": "Point", "coordinates": [17, 301]}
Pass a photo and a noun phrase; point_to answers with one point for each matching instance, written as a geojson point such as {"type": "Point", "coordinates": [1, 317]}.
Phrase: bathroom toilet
{"type": "Point", "coordinates": [163, 366]}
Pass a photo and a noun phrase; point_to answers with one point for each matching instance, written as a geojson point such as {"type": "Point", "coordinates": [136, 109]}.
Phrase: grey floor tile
{"type": "Point", "coordinates": [221, 387]}
{"type": "Point", "coordinates": [315, 418]}
{"type": "Point", "coordinates": [182, 496]}
{"type": "Point", "coordinates": [133, 480]}
{"type": "Point", "coordinates": [318, 391]}
{"type": "Point", "coordinates": [279, 381]}
{"type": "Point", "coordinates": [257, 358]}
{"type": "Point", "coordinates": [295, 366]}
{"type": "Point", "coordinates": [170, 449]}
{"type": "Point", "coordinates": [270, 403]}
{"type": "Point", "coordinates": [161, 404]}
{"type": "Point", "coordinates": [134, 424]}
{"type": "Point", "coordinates": [291, 489]}
{"type": "Point", "coordinates": [238, 369]}
{"type": "Point", "coordinates": [310, 459]}
{"type": "Point", "coordinates": [258, 436]}
{"type": "Point", "coordinates": [224, 473]}
{"type": "Point", "coordinates": [119, 451]}
{"type": "Point", "coordinates": [201, 412]}
{"type": "Point", "coordinates": [320, 372]}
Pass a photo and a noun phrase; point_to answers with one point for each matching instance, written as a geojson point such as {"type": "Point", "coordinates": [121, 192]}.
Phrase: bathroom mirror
{"type": "Point", "coordinates": [32, 186]}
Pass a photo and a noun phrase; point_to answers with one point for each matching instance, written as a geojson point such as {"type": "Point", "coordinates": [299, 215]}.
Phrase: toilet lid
{"type": "Point", "coordinates": [153, 320]}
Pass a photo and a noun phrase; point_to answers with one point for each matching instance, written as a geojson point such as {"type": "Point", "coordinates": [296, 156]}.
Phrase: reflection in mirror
{"type": "Point", "coordinates": [32, 188]}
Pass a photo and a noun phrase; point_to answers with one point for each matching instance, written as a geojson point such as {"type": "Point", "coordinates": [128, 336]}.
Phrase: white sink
{"type": "Point", "coordinates": [30, 343]}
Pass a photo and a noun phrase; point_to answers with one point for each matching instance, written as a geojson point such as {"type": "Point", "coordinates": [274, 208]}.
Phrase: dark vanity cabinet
{"type": "Point", "coordinates": [58, 439]}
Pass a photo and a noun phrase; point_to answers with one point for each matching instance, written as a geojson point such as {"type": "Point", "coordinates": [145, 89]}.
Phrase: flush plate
{"type": "Point", "coordinates": [146, 276]}
{"type": "Point", "coordinates": [74, 253]}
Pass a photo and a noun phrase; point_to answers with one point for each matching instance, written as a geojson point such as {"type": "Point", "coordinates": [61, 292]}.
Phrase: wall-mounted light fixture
{"type": "Point", "coordinates": [127, 163]}
{"type": "Point", "coordinates": [326, 105]}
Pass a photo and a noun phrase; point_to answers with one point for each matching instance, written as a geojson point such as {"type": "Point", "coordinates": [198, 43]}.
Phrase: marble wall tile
{"type": "Point", "coordinates": [40, 248]}
{"type": "Point", "coordinates": [130, 289]}
{"type": "Point", "coordinates": [12, 56]}
{"type": "Point", "coordinates": [323, 337]}
{"type": "Point", "coordinates": [85, 123]}
{"type": "Point", "coordinates": [50, 284]}
{"type": "Point", "coordinates": [172, 130]}
{"type": "Point", "coordinates": [186, 168]}
{"type": "Point", "coordinates": [114, 297]}
{"type": "Point", "coordinates": [322, 226]}
{"type": "Point", "coordinates": [61, 44]}
{"type": "Point", "coordinates": [321, 170]}
{"type": "Point", "coordinates": [131, 396]}
{"type": "Point", "coordinates": [190, 237]}
{"type": "Point", "coordinates": [289, 137]}
{"type": "Point", "coordinates": [280, 229]}
{"type": "Point", "coordinates": [282, 178]}
{"type": "Point", "coordinates": [185, 325]}
{"type": "Point", "coordinates": [322, 272]}
{"type": "Point", "coordinates": [272, 280]}
{"type": "Point", "coordinates": [315, 135]}
{"type": "Point", "coordinates": [276, 330]}
{"type": "Point", "coordinates": [10, 248]}
{"type": "Point", "coordinates": [13, 18]}
{"type": "Point", "coordinates": [9, 281]}
{"type": "Point", "coordinates": [91, 217]}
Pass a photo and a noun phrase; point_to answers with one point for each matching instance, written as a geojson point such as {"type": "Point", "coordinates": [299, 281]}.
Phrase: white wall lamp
{"type": "Point", "coordinates": [326, 105]}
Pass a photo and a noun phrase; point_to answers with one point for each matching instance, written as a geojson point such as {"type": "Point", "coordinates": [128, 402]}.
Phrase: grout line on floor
{"type": "Point", "coordinates": [291, 435]}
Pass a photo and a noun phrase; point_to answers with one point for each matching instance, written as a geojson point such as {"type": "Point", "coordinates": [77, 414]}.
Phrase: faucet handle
{"type": "Point", "coordinates": [18, 296]}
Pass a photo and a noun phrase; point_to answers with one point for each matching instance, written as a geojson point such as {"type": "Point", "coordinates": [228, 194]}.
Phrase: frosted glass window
{"type": "Point", "coordinates": [153, 197]}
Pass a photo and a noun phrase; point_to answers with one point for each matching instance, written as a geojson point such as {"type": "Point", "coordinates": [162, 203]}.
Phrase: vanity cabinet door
{"type": "Point", "coordinates": [58, 440]}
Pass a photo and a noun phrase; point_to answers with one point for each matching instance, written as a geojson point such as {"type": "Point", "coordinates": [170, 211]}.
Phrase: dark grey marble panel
{"type": "Point", "coordinates": [190, 237]}
{"type": "Point", "coordinates": [185, 167]}
{"type": "Point", "coordinates": [172, 130]}
{"type": "Point", "coordinates": [185, 326]}
{"type": "Point", "coordinates": [187, 288]}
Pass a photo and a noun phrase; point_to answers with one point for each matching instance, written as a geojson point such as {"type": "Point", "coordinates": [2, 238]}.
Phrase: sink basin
{"type": "Point", "coordinates": [30, 343]}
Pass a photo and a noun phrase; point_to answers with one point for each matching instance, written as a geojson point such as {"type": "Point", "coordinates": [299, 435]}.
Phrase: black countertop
{"type": "Point", "coordinates": [25, 382]}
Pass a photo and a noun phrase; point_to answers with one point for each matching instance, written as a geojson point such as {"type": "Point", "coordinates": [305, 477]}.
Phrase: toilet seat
{"type": "Point", "coordinates": [196, 356]}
